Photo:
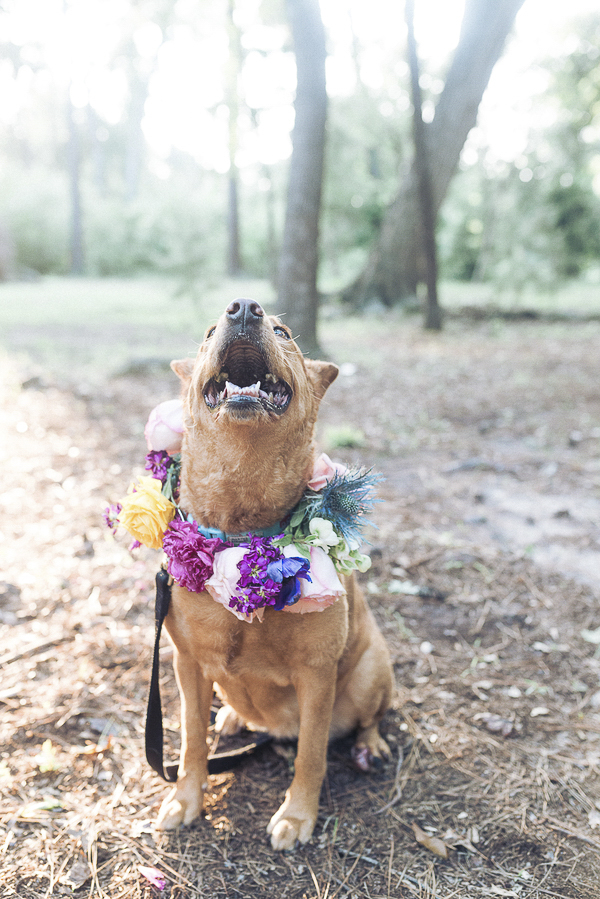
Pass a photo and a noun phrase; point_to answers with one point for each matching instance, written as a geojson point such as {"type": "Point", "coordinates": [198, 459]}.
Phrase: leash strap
{"type": "Point", "coordinates": [154, 721]}
{"type": "Point", "coordinates": [222, 761]}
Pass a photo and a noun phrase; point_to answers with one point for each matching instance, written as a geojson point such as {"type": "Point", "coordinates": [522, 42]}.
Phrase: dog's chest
{"type": "Point", "coordinates": [225, 647]}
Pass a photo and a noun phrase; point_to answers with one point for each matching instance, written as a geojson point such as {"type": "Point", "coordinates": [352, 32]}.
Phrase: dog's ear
{"type": "Point", "coordinates": [183, 368]}
{"type": "Point", "coordinates": [321, 375]}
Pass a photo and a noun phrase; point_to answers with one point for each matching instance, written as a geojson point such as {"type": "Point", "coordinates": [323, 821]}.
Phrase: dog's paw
{"type": "Point", "coordinates": [370, 751]}
{"type": "Point", "coordinates": [228, 722]}
{"type": "Point", "coordinates": [182, 806]}
{"type": "Point", "coordinates": [287, 829]}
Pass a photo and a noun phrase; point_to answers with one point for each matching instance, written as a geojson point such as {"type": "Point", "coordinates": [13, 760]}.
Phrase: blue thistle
{"type": "Point", "coordinates": [343, 501]}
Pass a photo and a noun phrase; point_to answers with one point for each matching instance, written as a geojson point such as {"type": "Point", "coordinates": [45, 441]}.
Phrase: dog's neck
{"type": "Point", "coordinates": [238, 485]}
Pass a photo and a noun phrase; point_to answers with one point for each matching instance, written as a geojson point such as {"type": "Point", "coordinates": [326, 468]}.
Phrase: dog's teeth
{"type": "Point", "coordinates": [234, 390]}
{"type": "Point", "coordinates": [270, 397]}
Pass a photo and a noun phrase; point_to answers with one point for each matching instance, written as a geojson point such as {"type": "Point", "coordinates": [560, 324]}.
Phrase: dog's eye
{"type": "Point", "coordinates": [281, 332]}
{"type": "Point", "coordinates": [210, 332]}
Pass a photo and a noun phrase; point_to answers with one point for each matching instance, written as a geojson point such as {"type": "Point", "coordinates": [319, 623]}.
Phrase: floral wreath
{"type": "Point", "coordinates": [293, 566]}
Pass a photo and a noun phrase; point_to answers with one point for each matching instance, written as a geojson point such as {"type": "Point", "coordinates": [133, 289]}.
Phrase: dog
{"type": "Point", "coordinates": [247, 457]}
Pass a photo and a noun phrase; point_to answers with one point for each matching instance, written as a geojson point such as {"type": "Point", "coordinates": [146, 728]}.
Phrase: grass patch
{"type": "Point", "coordinates": [96, 327]}
{"type": "Point", "coordinates": [88, 328]}
{"type": "Point", "coordinates": [343, 437]}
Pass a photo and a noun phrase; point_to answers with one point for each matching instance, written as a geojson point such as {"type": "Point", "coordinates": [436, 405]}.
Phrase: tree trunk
{"type": "Point", "coordinates": [433, 315]}
{"type": "Point", "coordinates": [297, 289]}
{"type": "Point", "coordinates": [234, 65]}
{"type": "Point", "coordinates": [396, 265]}
{"type": "Point", "coordinates": [74, 169]}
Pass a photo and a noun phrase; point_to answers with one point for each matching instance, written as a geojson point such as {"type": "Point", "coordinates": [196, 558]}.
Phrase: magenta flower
{"type": "Point", "coordinates": [191, 555]}
{"type": "Point", "coordinates": [158, 463]}
{"type": "Point", "coordinates": [111, 516]}
{"type": "Point", "coordinates": [154, 876]}
{"type": "Point", "coordinates": [256, 588]}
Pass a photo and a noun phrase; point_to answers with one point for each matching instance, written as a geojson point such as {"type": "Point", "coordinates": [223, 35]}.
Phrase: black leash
{"type": "Point", "coordinates": [222, 761]}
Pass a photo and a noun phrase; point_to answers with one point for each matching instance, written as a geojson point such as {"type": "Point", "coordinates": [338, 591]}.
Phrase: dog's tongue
{"type": "Point", "coordinates": [234, 390]}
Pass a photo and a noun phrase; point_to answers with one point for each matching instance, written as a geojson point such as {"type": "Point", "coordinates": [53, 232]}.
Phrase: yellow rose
{"type": "Point", "coordinates": [146, 513]}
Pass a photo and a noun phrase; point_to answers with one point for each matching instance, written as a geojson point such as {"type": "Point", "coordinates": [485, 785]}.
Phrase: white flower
{"type": "Point", "coordinates": [347, 558]}
{"type": "Point", "coordinates": [323, 533]}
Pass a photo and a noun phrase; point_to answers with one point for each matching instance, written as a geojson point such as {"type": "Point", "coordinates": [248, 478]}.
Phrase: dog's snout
{"type": "Point", "coordinates": [244, 313]}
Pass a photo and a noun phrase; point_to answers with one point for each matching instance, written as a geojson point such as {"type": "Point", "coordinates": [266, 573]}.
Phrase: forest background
{"type": "Point", "coordinates": [154, 137]}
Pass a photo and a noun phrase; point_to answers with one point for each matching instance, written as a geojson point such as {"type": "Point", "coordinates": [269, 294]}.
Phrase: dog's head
{"type": "Point", "coordinates": [249, 371]}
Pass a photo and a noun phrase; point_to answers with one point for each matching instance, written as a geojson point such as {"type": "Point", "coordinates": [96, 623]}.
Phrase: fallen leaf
{"type": "Point", "coordinates": [46, 760]}
{"type": "Point", "coordinates": [31, 811]}
{"type": "Point", "coordinates": [539, 710]}
{"type": "Point", "coordinates": [77, 875]}
{"type": "Point", "coordinates": [500, 891]}
{"type": "Point", "coordinates": [433, 844]}
{"type": "Point", "coordinates": [496, 724]}
{"type": "Point", "coordinates": [104, 744]}
{"type": "Point", "coordinates": [50, 804]}
{"type": "Point", "coordinates": [594, 818]}
{"type": "Point", "coordinates": [591, 636]}
{"type": "Point", "coordinates": [454, 839]}
{"type": "Point", "coordinates": [405, 587]}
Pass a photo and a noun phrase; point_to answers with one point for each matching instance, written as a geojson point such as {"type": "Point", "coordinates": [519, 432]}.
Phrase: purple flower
{"type": "Point", "coordinates": [190, 554]}
{"type": "Point", "coordinates": [256, 588]}
{"type": "Point", "coordinates": [111, 516]}
{"type": "Point", "coordinates": [158, 462]}
{"type": "Point", "coordinates": [287, 571]}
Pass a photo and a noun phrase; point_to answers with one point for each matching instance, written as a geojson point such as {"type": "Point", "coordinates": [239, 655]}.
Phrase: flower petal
{"type": "Point", "coordinates": [154, 876]}
{"type": "Point", "coordinates": [323, 589]}
{"type": "Point", "coordinates": [325, 470]}
{"type": "Point", "coordinates": [164, 427]}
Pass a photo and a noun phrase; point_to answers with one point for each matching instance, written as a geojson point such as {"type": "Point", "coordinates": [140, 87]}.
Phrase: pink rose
{"type": "Point", "coordinates": [325, 587]}
{"type": "Point", "coordinates": [164, 428]}
{"type": "Point", "coordinates": [224, 580]}
{"type": "Point", "coordinates": [324, 471]}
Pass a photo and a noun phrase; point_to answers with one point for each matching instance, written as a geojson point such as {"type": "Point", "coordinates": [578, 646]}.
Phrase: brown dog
{"type": "Point", "coordinates": [247, 458]}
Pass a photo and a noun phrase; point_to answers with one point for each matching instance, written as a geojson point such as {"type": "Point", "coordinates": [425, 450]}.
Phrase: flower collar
{"type": "Point", "coordinates": [292, 566]}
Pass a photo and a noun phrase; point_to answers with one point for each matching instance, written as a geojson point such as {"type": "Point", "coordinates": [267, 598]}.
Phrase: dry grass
{"type": "Point", "coordinates": [496, 728]}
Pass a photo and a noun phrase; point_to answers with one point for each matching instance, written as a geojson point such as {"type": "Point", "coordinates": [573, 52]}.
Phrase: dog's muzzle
{"type": "Point", "coordinates": [245, 382]}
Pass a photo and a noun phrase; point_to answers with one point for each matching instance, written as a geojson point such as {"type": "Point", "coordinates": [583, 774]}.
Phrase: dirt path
{"type": "Point", "coordinates": [485, 579]}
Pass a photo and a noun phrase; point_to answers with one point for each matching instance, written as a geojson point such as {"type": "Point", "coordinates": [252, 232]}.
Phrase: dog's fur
{"type": "Point", "coordinates": [313, 676]}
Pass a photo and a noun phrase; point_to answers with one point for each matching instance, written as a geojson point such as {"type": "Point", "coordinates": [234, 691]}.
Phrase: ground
{"type": "Point", "coordinates": [485, 581]}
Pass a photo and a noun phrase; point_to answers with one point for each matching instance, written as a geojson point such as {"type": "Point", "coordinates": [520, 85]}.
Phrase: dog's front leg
{"type": "Point", "coordinates": [184, 802]}
{"type": "Point", "coordinates": [296, 818]}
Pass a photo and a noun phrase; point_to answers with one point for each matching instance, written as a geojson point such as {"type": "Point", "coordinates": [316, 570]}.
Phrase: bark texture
{"type": "Point", "coordinates": [427, 216]}
{"type": "Point", "coordinates": [297, 280]}
{"type": "Point", "coordinates": [396, 265]}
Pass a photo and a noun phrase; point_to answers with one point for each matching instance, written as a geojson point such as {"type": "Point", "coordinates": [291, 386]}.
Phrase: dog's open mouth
{"type": "Point", "coordinates": [246, 384]}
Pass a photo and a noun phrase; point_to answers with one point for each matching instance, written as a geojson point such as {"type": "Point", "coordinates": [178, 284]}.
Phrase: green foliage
{"type": "Point", "coordinates": [536, 221]}
{"type": "Point", "coordinates": [367, 136]}
{"type": "Point", "coordinates": [344, 437]}
{"type": "Point", "coordinates": [170, 228]}
{"type": "Point", "coordinates": [34, 210]}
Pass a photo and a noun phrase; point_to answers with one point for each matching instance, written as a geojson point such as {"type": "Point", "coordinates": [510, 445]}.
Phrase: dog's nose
{"type": "Point", "coordinates": [244, 313]}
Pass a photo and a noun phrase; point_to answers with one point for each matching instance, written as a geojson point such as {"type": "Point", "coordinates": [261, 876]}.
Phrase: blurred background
{"type": "Point", "coordinates": [145, 138]}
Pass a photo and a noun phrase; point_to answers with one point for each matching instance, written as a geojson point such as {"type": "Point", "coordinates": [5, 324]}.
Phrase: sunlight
{"type": "Point", "coordinates": [184, 109]}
